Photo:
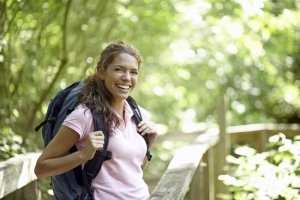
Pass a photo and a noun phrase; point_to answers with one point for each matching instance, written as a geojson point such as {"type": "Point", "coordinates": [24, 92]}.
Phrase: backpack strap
{"type": "Point", "coordinates": [138, 118]}
{"type": "Point", "coordinates": [93, 166]}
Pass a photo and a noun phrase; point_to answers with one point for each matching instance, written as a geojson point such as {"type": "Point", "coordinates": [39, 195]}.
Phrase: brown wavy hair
{"type": "Point", "coordinates": [94, 94]}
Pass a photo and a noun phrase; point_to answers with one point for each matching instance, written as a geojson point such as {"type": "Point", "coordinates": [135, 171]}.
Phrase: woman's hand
{"type": "Point", "coordinates": [148, 127]}
{"type": "Point", "coordinates": [94, 142]}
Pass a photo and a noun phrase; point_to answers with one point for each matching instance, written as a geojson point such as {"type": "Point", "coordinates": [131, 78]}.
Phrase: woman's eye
{"type": "Point", "coordinates": [135, 72]}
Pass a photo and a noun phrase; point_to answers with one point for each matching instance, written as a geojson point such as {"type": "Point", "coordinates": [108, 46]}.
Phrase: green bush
{"type": "Point", "coordinates": [10, 144]}
{"type": "Point", "coordinates": [264, 176]}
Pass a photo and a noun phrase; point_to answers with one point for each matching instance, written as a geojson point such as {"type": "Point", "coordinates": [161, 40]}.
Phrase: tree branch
{"type": "Point", "coordinates": [62, 66]}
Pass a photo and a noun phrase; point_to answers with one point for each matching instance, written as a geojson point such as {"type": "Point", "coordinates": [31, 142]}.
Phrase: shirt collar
{"type": "Point", "coordinates": [128, 110]}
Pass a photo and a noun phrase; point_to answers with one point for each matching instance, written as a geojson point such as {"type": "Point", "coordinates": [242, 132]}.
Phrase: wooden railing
{"type": "Point", "coordinates": [187, 168]}
{"type": "Point", "coordinates": [191, 175]}
{"type": "Point", "coordinates": [258, 134]}
{"type": "Point", "coordinates": [17, 178]}
{"type": "Point", "coordinates": [194, 170]}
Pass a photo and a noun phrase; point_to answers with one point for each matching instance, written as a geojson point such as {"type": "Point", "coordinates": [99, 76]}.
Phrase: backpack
{"type": "Point", "coordinates": [76, 183]}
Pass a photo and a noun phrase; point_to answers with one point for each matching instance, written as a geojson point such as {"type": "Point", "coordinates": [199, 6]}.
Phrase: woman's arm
{"type": "Point", "coordinates": [144, 162]}
{"type": "Point", "coordinates": [53, 160]}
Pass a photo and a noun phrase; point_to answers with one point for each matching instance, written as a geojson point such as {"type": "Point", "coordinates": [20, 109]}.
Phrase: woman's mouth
{"type": "Point", "coordinates": [123, 87]}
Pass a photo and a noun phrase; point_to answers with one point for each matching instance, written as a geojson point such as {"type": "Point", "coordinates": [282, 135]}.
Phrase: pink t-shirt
{"type": "Point", "coordinates": [121, 177]}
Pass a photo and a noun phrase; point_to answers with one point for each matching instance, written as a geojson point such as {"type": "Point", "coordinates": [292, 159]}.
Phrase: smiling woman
{"type": "Point", "coordinates": [104, 92]}
{"type": "Point", "coordinates": [120, 77]}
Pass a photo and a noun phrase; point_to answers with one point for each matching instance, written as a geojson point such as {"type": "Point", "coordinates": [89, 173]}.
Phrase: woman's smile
{"type": "Point", "coordinates": [123, 87]}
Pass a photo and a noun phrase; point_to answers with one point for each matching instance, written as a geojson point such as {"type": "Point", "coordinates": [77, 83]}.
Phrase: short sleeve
{"type": "Point", "coordinates": [80, 120]}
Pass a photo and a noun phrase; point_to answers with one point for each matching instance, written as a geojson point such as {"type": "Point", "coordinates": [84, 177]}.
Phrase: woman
{"type": "Point", "coordinates": [120, 177]}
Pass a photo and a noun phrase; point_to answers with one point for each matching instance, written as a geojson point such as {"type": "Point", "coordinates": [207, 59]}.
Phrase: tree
{"type": "Point", "coordinates": [194, 53]}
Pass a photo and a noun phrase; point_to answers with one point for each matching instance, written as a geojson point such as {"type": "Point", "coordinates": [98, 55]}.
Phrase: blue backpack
{"type": "Point", "coordinates": [76, 183]}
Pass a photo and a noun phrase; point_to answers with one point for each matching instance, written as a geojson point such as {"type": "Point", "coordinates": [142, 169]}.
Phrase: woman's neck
{"type": "Point", "coordinates": [119, 108]}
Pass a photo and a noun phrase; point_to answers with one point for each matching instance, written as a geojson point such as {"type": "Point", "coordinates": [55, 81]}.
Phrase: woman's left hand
{"type": "Point", "coordinates": [148, 127]}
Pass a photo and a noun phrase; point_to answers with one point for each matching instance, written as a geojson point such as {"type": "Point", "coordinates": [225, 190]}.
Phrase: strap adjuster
{"type": "Point", "coordinates": [89, 176]}
{"type": "Point", "coordinates": [149, 155]}
{"type": "Point", "coordinates": [106, 154]}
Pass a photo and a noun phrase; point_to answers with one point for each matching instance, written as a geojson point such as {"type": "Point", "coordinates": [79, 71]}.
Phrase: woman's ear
{"type": "Point", "coordinates": [101, 72]}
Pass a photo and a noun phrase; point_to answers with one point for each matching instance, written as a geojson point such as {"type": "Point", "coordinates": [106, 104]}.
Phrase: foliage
{"type": "Point", "coordinates": [269, 175]}
{"type": "Point", "coordinates": [10, 144]}
{"type": "Point", "coordinates": [194, 53]}
{"type": "Point", "coordinates": [45, 189]}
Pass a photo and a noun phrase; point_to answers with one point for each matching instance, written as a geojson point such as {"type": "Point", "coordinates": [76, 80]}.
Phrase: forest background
{"type": "Point", "coordinates": [195, 52]}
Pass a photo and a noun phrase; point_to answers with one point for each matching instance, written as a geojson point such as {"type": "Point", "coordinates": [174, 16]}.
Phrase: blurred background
{"type": "Point", "coordinates": [195, 52]}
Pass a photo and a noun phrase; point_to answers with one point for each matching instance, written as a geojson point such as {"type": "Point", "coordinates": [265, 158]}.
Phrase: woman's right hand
{"type": "Point", "coordinates": [94, 142]}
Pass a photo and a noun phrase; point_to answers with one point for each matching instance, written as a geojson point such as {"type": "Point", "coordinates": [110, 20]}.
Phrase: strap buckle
{"type": "Point", "coordinates": [149, 155]}
{"type": "Point", "coordinates": [106, 154]}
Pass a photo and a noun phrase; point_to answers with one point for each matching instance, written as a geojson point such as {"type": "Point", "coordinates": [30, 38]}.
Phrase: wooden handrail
{"type": "Point", "coordinates": [262, 127]}
{"type": "Point", "coordinates": [175, 182]}
{"type": "Point", "coordinates": [17, 172]}
{"type": "Point", "coordinates": [258, 134]}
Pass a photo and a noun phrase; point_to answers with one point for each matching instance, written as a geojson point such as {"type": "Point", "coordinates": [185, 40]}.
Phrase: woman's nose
{"type": "Point", "coordinates": [126, 76]}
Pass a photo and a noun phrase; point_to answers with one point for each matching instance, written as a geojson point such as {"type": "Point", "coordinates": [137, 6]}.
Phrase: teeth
{"type": "Point", "coordinates": [123, 86]}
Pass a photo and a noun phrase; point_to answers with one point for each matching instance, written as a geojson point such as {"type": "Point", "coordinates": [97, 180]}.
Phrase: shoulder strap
{"type": "Point", "coordinates": [138, 118]}
{"type": "Point", "coordinates": [93, 166]}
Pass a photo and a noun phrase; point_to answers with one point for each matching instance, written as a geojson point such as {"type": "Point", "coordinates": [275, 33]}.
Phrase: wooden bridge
{"type": "Point", "coordinates": [191, 175]}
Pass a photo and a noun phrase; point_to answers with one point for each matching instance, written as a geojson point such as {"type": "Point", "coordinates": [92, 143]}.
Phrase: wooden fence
{"type": "Point", "coordinates": [194, 170]}
{"type": "Point", "coordinates": [17, 178]}
{"type": "Point", "coordinates": [186, 170]}
{"type": "Point", "coordinates": [191, 175]}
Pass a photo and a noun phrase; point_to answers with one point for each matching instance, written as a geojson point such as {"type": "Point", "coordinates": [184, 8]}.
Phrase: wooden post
{"type": "Point", "coordinates": [210, 168]}
{"type": "Point", "coordinates": [206, 179]}
{"type": "Point", "coordinates": [28, 192]}
{"type": "Point", "coordinates": [263, 140]}
{"type": "Point", "coordinates": [223, 148]}
{"type": "Point", "coordinates": [196, 187]}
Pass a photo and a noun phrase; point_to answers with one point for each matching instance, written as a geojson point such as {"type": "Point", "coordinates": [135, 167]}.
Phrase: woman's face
{"type": "Point", "coordinates": [121, 76]}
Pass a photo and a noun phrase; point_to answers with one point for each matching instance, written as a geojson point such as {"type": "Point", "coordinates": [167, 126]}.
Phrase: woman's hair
{"type": "Point", "coordinates": [94, 94]}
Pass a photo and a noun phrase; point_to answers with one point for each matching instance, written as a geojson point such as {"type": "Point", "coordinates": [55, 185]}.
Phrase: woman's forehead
{"type": "Point", "coordinates": [125, 60]}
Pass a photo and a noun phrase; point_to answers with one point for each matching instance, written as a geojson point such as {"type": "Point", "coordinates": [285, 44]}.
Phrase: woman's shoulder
{"type": "Point", "coordinates": [144, 112]}
{"type": "Point", "coordinates": [82, 107]}
{"type": "Point", "coordinates": [80, 120]}
{"type": "Point", "coordinates": [81, 113]}
{"type": "Point", "coordinates": [142, 109]}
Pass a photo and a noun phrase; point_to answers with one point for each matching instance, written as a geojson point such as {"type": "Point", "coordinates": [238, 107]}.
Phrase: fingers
{"type": "Point", "coordinates": [145, 127]}
{"type": "Point", "coordinates": [148, 127]}
{"type": "Point", "coordinates": [142, 128]}
{"type": "Point", "coordinates": [97, 133]}
{"type": "Point", "coordinates": [96, 139]}
{"type": "Point", "coordinates": [94, 142]}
